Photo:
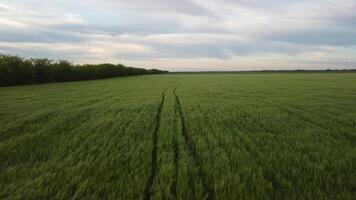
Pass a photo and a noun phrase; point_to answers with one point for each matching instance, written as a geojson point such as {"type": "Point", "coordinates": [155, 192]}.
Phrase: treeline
{"type": "Point", "coordinates": [15, 70]}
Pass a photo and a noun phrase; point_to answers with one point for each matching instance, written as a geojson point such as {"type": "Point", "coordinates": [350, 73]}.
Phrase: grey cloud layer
{"type": "Point", "coordinates": [151, 30]}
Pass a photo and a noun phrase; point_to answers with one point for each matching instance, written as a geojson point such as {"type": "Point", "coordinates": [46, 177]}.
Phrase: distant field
{"type": "Point", "coordinates": [186, 136]}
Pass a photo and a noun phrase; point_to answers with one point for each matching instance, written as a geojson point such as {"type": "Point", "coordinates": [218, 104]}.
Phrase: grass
{"type": "Point", "coordinates": [182, 136]}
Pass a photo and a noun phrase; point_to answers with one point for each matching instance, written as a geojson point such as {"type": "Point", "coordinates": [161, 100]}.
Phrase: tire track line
{"type": "Point", "coordinates": [148, 189]}
{"type": "Point", "coordinates": [207, 182]}
{"type": "Point", "coordinates": [176, 150]}
{"type": "Point", "coordinates": [175, 145]}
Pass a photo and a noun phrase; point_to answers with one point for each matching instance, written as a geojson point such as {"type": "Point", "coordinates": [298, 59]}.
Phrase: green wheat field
{"type": "Point", "coordinates": [181, 136]}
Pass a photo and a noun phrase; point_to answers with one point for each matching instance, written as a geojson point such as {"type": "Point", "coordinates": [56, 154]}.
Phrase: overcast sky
{"type": "Point", "coordinates": [184, 34]}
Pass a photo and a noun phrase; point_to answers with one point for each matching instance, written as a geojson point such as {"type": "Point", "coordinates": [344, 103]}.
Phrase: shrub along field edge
{"type": "Point", "coordinates": [15, 70]}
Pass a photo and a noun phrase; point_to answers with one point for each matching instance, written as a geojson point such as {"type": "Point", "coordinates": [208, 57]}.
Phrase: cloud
{"type": "Point", "coordinates": [159, 6]}
{"type": "Point", "coordinates": [227, 33]}
{"type": "Point", "coordinates": [331, 37]}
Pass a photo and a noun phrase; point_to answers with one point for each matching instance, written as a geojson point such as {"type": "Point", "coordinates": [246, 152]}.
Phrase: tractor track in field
{"type": "Point", "coordinates": [175, 145]}
{"type": "Point", "coordinates": [191, 146]}
{"type": "Point", "coordinates": [148, 189]}
{"type": "Point", "coordinates": [176, 150]}
{"type": "Point", "coordinates": [173, 188]}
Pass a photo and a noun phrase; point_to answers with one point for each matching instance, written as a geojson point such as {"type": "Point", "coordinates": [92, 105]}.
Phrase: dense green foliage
{"type": "Point", "coordinates": [15, 70]}
{"type": "Point", "coordinates": [213, 136]}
